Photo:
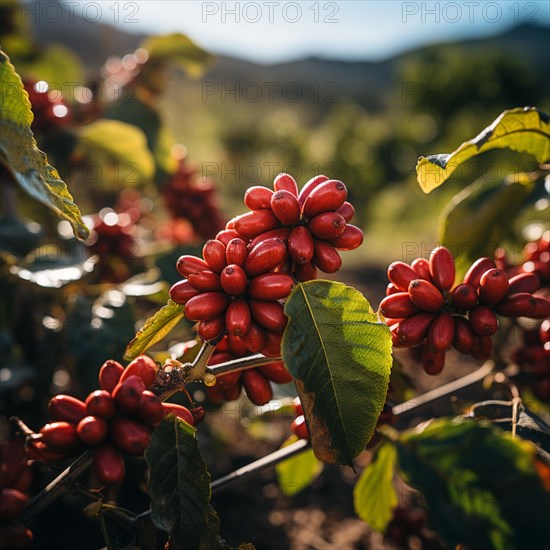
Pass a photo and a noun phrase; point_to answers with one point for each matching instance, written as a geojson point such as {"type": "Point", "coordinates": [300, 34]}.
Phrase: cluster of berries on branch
{"type": "Point", "coordinates": [116, 419]}
{"type": "Point", "coordinates": [425, 310]}
{"type": "Point", "coordinates": [255, 381]}
{"type": "Point", "coordinates": [15, 480]}
{"type": "Point", "coordinates": [193, 198]}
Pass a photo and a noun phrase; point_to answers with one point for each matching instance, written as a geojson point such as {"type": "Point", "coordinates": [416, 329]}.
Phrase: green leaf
{"type": "Point", "coordinates": [374, 496]}
{"type": "Point", "coordinates": [20, 156]}
{"type": "Point", "coordinates": [472, 225]}
{"type": "Point", "coordinates": [155, 329]}
{"type": "Point", "coordinates": [120, 152]}
{"type": "Point", "coordinates": [179, 49]}
{"type": "Point", "coordinates": [298, 472]}
{"type": "Point", "coordinates": [481, 486]}
{"type": "Point", "coordinates": [179, 485]}
{"type": "Point", "coordinates": [523, 129]}
{"type": "Point", "coordinates": [340, 356]}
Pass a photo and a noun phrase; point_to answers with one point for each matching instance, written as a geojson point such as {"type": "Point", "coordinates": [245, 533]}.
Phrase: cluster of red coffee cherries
{"type": "Point", "coordinates": [15, 480]}
{"type": "Point", "coordinates": [248, 270]}
{"type": "Point", "coordinates": [116, 419]}
{"type": "Point", "coordinates": [255, 381]}
{"type": "Point", "coordinates": [423, 308]}
{"type": "Point", "coordinates": [193, 198]}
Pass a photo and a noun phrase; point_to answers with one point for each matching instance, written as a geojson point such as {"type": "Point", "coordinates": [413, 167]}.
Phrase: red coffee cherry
{"type": "Point", "coordinates": [253, 223]}
{"type": "Point", "coordinates": [258, 388]}
{"type": "Point", "coordinates": [421, 266]}
{"type": "Point", "coordinates": [258, 197]}
{"type": "Point", "coordinates": [483, 348]}
{"type": "Point", "coordinates": [236, 252]}
{"type": "Point", "coordinates": [401, 275]}
{"type": "Point", "coordinates": [464, 337]}
{"type": "Point", "coordinates": [60, 436]}
{"type": "Point", "coordinates": [542, 308]}
{"type": "Point", "coordinates": [92, 430]}
{"type": "Point", "coordinates": [109, 375]}
{"type": "Point", "coordinates": [127, 393]}
{"type": "Point", "coordinates": [66, 408]}
{"type": "Point", "coordinates": [182, 291]}
{"type": "Point", "coordinates": [285, 206]}
{"type": "Point", "coordinates": [142, 366]}
{"type": "Point", "coordinates": [327, 197]}
{"type": "Point", "coordinates": [255, 339]}
{"type": "Point", "coordinates": [234, 280]}
{"type": "Point", "coordinates": [398, 305]}
{"type": "Point", "coordinates": [346, 211]}
{"type": "Point", "coordinates": [297, 406]}
{"type": "Point", "coordinates": [150, 410]}
{"type": "Point", "coordinates": [226, 235]}
{"type": "Point", "coordinates": [432, 360]}
{"type": "Point", "coordinates": [12, 503]}
{"type": "Point", "coordinates": [213, 253]}
{"type": "Point", "coordinates": [442, 268]}
{"type": "Point", "coordinates": [205, 281]}
{"type": "Point", "coordinates": [493, 286]}
{"type": "Point", "coordinates": [425, 295]}
{"type": "Point", "coordinates": [300, 245]}
{"type": "Point", "coordinates": [270, 286]}
{"type": "Point", "coordinates": [100, 403]}
{"type": "Point", "coordinates": [209, 330]}
{"type": "Point", "coordinates": [413, 331]}
{"type": "Point", "coordinates": [269, 315]}
{"type": "Point", "coordinates": [483, 321]}
{"type": "Point", "coordinates": [312, 184]}
{"type": "Point", "coordinates": [108, 464]}
{"type": "Point", "coordinates": [299, 427]}
{"type": "Point", "coordinates": [272, 344]}
{"type": "Point", "coordinates": [276, 372]}
{"type": "Point", "coordinates": [305, 272]}
{"type": "Point", "coordinates": [264, 257]}
{"type": "Point", "coordinates": [238, 317]}
{"type": "Point", "coordinates": [129, 435]}
{"type": "Point", "coordinates": [326, 257]}
{"type": "Point", "coordinates": [524, 282]}
{"type": "Point", "coordinates": [464, 296]}
{"type": "Point", "coordinates": [206, 306]}
{"type": "Point", "coordinates": [350, 239]}
{"type": "Point", "coordinates": [441, 332]}
{"type": "Point", "coordinates": [477, 269]}
{"type": "Point", "coordinates": [521, 304]}
{"type": "Point", "coordinates": [40, 452]}
{"type": "Point", "coordinates": [190, 264]}
{"type": "Point", "coordinates": [199, 414]}
{"type": "Point", "coordinates": [285, 182]}
{"type": "Point", "coordinates": [180, 411]}
{"type": "Point", "coordinates": [280, 233]}
{"type": "Point", "coordinates": [327, 225]}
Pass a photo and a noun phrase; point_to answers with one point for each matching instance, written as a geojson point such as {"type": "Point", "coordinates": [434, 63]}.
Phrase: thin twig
{"type": "Point", "coordinates": [244, 363]}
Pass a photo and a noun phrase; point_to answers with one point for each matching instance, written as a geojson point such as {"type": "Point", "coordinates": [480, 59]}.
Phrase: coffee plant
{"type": "Point", "coordinates": [256, 313]}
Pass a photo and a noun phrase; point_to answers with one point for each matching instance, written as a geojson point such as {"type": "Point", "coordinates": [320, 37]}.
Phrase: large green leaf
{"type": "Point", "coordinates": [298, 472]}
{"type": "Point", "coordinates": [374, 496]}
{"type": "Point", "coordinates": [119, 151]}
{"type": "Point", "coordinates": [179, 49]}
{"type": "Point", "coordinates": [473, 224]}
{"type": "Point", "coordinates": [523, 129]}
{"type": "Point", "coordinates": [340, 356]}
{"type": "Point", "coordinates": [155, 329]}
{"type": "Point", "coordinates": [179, 485]}
{"type": "Point", "coordinates": [20, 155]}
{"type": "Point", "coordinates": [480, 484]}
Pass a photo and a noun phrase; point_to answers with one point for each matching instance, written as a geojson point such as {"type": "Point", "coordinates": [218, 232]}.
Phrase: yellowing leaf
{"type": "Point", "coordinates": [524, 129]}
{"type": "Point", "coordinates": [20, 156]}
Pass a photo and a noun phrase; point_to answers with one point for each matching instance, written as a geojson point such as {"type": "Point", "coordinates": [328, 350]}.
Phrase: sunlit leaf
{"type": "Point", "coordinates": [524, 129]}
{"type": "Point", "coordinates": [340, 356]}
{"type": "Point", "coordinates": [374, 495]}
{"type": "Point", "coordinates": [297, 472]}
{"type": "Point", "coordinates": [20, 156]}
{"type": "Point", "coordinates": [155, 329]}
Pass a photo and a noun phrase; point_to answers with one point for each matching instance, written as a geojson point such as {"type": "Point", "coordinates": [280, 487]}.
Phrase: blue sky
{"type": "Point", "coordinates": [279, 30]}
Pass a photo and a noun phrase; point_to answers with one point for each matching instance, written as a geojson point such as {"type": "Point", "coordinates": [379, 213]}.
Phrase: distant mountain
{"type": "Point", "coordinates": [365, 81]}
